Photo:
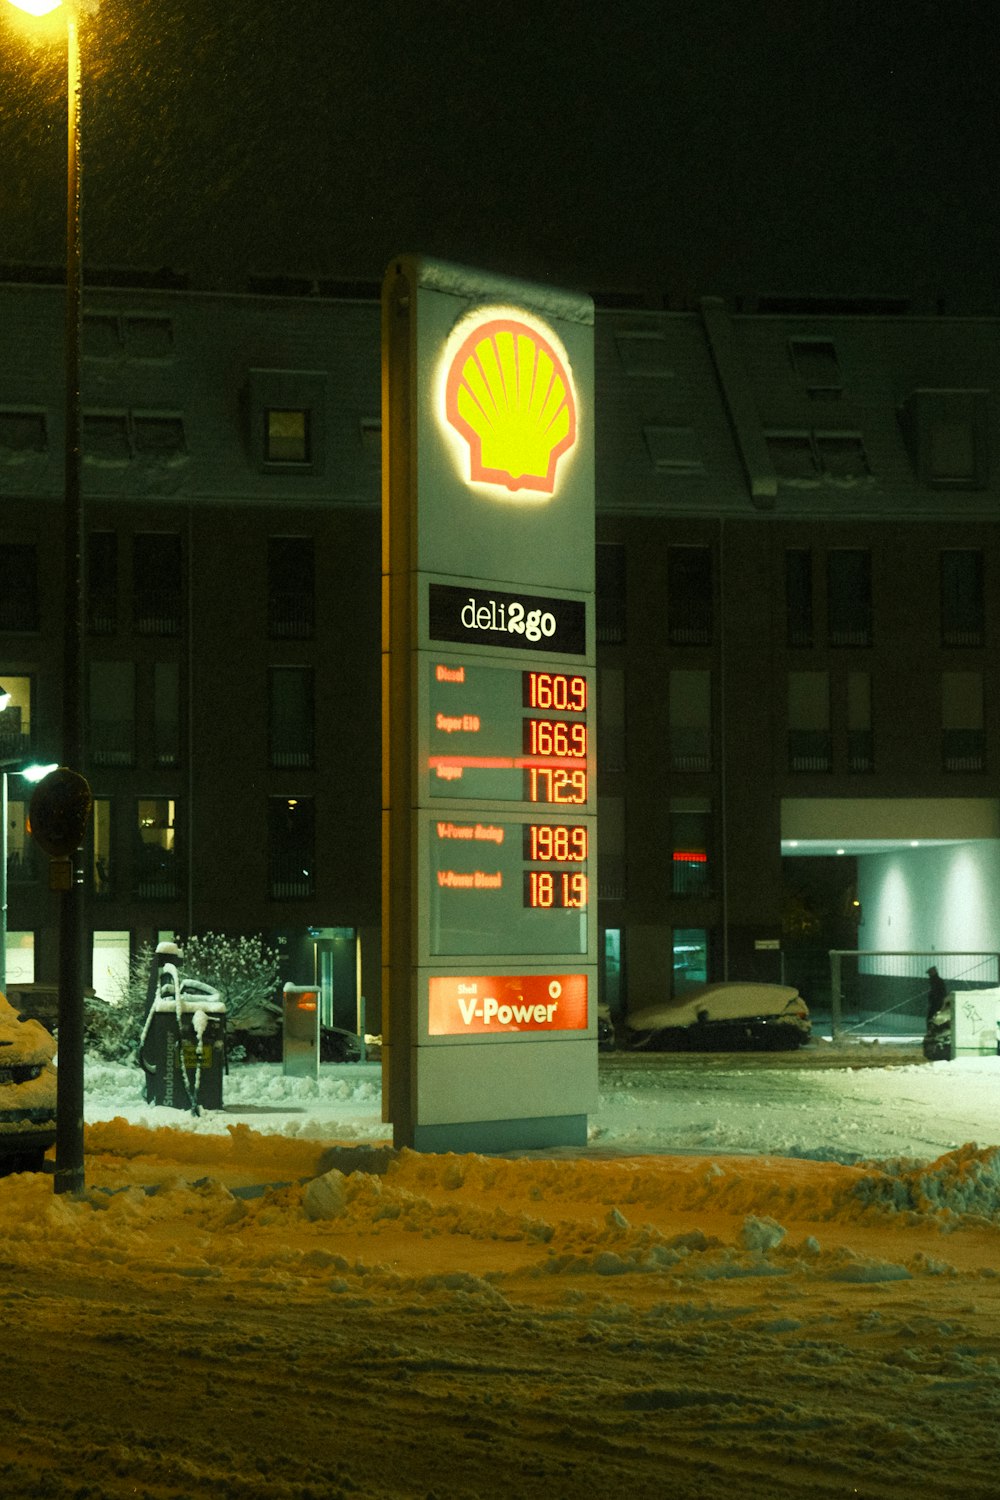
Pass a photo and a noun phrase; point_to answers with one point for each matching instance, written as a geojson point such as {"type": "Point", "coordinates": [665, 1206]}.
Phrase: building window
{"type": "Point", "coordinates": [157, 583]}
{"type": "Point", "coordinates": [610, 592]}
{"type": "Point", "coordinates": [691, 721]}
{"type": "Point", "coordinates": [674, 450]}
{"type": "Point", "coordinates": [690, 835]}
{"type": "Point", "coordinates": [809, 743]}
{"type": "Point", "coordinates": [793, 457]}
{"type": "Point", "coordinates": [114, 438]}
{"type": "Point", "coordinates": [690, 958]}
{"type": "Point", "coordinates": [689, 596]}
{"type": "Point", "coordinates": [291, 716]}
{"type": "Point", "coordinates": [291, 588]}
{"type": "Point", "coordinates": [849, 597]}
{"type": "Point", "coordinates": [287, 410]}
{"type": "Point", "coordinates": [947, 435]}
{"type": "Point", "coordinates": [22, 856]}
{"type": "Point", "coordinates": [15, 718]}
{"type": "Point", "coordinates": [611, 718]}
{"type": "Point", "coordinates": [806, 458]}
{"type": "Point", "coordinates": [23, 432]}
{"type": "Point", "coordinates": [102, 870]}
{"type": "Point", "coordinates": [860, 740]}
{"type": "Point", "coordinates": [147, 337]}
{"type": "Point", "coordinates": [645, 353]}
{"type": "Point", "coordinates": [20, 957]}
{"type": "Point", "coordinates": [963, 612]}
{"type": "Point", "coordinates": [286, 436]}
{"type": "Point", "coordinates": [291, 844]}
{"type": "Point", "coordinates": [158, 434]}
{"type": "Point", "coordinates": [798, 597]}
{"type": "Point", "coordinates": [132, 336]}
{"type": "Point", "coordinates": [111, 702]}
{"type": "Point", "coordinates": [842, 456]}
{"type": "Point", "coordinates": [167, 713]}
{"type": "Point", "coordinates": [612, 866]}
{"type": "Point", "coordinates": [19, 608]}
{"type": "Point", "coordinates": [815, 362]}
{"type": "Point", "coordinates": [106, 438]}
{"type": "Point", "coordinates": [613, 970]}
{"type": "Point", "coordinates": [156, 873]}
{"type": "Point", "coordinates": [963, 735]}
{"type": "Point", "coordinates": [102, 583]}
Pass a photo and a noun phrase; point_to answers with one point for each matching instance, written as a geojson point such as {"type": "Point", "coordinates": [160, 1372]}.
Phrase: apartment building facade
{"type": "Point", "coordinates": [798, 574]}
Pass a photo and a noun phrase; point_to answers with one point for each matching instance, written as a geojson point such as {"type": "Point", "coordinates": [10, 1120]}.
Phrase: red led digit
{"type": "Point", "coordinates": [555, 843]}
{"type": "Point", "coordinates": [558, 690]}
{"type": "Point", "coordinates": [556, 739]}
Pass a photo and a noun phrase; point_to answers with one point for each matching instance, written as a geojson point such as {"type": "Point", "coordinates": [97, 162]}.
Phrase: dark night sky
{"type": "Point", "coordinates": [711, 146]}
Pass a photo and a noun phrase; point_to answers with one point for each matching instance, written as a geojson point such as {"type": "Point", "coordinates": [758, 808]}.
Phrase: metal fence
{"type": "Point", "coordinates": [884, 992]}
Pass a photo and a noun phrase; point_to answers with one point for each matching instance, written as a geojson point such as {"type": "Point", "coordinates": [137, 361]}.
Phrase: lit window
{"type": "Point", "coordinates": [15, 718]}
{"type": "Point", "coordinates": [286, 436]}
{"type": "Point", "coordinates": [690, 869]}
{"type": "Point", "coordinates": [156, 872]}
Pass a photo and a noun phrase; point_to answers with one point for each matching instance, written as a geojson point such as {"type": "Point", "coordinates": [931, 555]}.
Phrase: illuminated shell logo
{"type": "Point", "coordinates": [509, 396]}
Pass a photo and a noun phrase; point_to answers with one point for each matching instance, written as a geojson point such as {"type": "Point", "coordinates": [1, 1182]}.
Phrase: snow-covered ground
{"type": "Point", "coordinates": [825, 1102]}
{"type": "Point", "coordinates": [777, 1276]}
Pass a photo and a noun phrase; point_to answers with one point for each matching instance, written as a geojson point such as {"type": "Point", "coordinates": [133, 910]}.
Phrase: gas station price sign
{"type": "Point", "coordinates": [505, 734]}
{"type": "Point", "coordinates": [504, 887]}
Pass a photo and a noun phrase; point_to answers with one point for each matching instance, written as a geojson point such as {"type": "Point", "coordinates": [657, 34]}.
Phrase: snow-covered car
{"type": "Point", "coordinates": [725, 1017]}
{"type": "Point", "coordinates": [27, 1091]}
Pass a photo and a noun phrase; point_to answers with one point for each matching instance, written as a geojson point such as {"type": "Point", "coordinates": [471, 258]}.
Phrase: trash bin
{"type": "Point", "coordinates": [183, 1046]}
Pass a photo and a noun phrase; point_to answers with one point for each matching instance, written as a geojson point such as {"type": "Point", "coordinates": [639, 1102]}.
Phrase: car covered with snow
{"type": "Point", "coordinates": [725, 1017]}
{"type": "Point", "coordinates": [27, 1091]}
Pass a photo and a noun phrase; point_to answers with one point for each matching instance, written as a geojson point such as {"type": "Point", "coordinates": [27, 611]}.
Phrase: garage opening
{"type": "Point", "coordinates": [903, 876]}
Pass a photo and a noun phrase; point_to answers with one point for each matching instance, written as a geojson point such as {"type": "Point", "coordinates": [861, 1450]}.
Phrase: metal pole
{"type": "Point", "coordinates": [69, 1175]}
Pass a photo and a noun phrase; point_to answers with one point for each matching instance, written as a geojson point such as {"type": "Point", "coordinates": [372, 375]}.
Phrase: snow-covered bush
{"type": "Point", "coordinates": [243, 969]}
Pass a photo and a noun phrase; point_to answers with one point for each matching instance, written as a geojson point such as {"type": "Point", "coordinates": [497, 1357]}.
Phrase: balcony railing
{"type": "Point", "coordinates": [690, 750]}
{"type": "Point", "coordinates": [112, 742]}
{"type": "Point", "coordinates": [291, 616]}
{"type": "Point", "coordinates": [860, 750]}
{"type": "Point", "coordinates": [810, 750]}
{"type": "Point", "coordinates": [290, 878]}
{"type": "Point", "coordinates": [963, 749]}
{"type": "Point", "coordinates": [157, 611]}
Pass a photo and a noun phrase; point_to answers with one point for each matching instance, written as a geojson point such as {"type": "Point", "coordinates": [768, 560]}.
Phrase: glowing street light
{"type": "Point", "coordinates": [69, 1175]}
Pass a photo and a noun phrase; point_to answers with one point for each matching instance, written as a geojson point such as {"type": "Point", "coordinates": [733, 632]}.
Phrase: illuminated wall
{"type": "Point", "coordinates": [939, 898]}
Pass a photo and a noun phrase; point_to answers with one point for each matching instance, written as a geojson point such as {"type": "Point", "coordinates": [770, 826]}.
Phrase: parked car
{"type": "Point", "coordinates": [726, 1017]}
{"type": "Point", "coordinates": [27, 1091]}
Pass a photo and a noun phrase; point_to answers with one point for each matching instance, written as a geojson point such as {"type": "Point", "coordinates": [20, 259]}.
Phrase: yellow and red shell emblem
{"type": "Point", "coordinates": [509, 395]}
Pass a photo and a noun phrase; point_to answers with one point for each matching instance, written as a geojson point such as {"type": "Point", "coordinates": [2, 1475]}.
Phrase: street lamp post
{"type": "Point", "coordinates": [69, 1175]}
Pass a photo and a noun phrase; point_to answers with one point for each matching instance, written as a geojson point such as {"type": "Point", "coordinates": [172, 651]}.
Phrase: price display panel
{"type": "Point", "coordinates": [504, 734]}
{"type": "Point", "coordinates": [505, 887]}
